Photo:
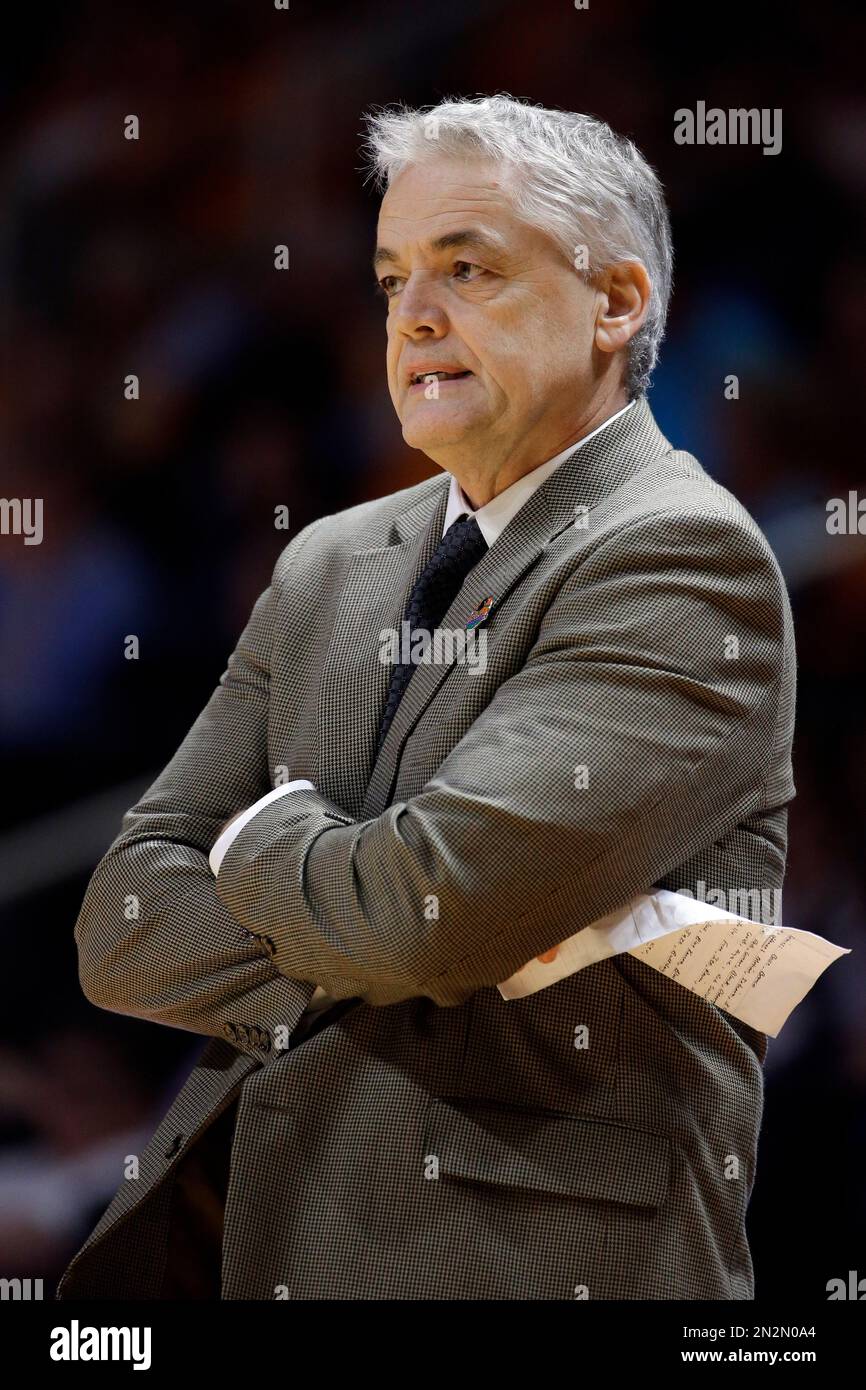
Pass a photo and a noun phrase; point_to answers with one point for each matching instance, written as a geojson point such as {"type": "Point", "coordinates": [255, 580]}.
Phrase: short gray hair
{"type": "Point", "coordinates": [575, 179]}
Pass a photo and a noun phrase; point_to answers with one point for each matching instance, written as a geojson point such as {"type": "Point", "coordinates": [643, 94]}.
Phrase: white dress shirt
{"type": "Point", "coordinates": [492, 518]}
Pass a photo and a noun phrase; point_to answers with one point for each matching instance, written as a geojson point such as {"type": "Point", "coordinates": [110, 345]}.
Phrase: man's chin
{"type": "Point", "coordinates": [430, 435]}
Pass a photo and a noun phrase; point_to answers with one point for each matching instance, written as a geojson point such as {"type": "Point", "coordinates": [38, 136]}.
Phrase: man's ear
{"type": "Point", "coordinates": [624, 300]}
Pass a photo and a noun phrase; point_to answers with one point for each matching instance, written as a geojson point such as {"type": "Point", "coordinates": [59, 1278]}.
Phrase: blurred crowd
{"type": "Point", "coordinates": [261, 388]}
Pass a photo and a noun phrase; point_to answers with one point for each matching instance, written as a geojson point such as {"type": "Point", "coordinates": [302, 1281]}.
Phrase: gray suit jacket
{"type": "Point", "coordinates": [434, 1140]}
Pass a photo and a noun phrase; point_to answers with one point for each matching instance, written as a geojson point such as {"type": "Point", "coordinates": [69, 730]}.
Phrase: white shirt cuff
{"type": "Point", "coordinates": [221, 845]}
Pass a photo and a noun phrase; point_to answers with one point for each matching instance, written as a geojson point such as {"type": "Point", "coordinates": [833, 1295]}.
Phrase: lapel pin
{"type": "Point", "coordinates": [481, 613]}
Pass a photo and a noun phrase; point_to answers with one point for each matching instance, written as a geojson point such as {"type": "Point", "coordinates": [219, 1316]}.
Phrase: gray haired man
{"type": "Point", "coordinates": [345, 857]}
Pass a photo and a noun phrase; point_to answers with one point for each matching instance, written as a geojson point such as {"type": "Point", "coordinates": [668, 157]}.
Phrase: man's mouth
{"type": "Point", "coordinates": [424, 378]}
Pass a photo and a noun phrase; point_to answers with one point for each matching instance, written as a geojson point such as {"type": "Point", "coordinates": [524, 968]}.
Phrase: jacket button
{"type": "Point", "coordinates": [174, 1146]}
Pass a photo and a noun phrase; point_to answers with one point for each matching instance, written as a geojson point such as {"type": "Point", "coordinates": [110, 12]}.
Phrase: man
{"type": "Point", "coordinates": [345, 857]}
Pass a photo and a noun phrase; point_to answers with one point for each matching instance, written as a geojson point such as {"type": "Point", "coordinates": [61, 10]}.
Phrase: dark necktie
{"type": "Point", "coordinates": [435, 589]}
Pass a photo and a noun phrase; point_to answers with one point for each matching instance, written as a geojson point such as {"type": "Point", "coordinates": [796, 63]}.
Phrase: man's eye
{"type": "Point", "coordinates": [389, 284]}
{"type": "Point", "coordinates": [468, 265]}
{"type": "Point", "coordinates": [385, 286]}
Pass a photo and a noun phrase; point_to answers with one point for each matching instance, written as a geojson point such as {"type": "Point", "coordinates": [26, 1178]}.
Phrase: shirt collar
{"type": "Point", "coordinates": [495, 515]}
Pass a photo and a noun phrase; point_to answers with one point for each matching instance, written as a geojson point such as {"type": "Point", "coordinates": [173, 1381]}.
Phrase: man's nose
{"type": "Point", "coordinates": [418, 310]}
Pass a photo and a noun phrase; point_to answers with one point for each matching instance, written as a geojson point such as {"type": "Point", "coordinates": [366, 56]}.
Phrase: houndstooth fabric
{"type": "Point", "coordinates": [631, 728]}
{"type": "Point", "coordinates": [457, 553]}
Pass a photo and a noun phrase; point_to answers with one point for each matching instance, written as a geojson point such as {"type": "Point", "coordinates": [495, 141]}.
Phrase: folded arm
{"type": "Point", "coordinates": [657, 669]}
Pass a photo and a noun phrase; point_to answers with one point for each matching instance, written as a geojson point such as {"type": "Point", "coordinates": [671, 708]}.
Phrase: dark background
{"type": "Point", "coordinates": [261, 388]}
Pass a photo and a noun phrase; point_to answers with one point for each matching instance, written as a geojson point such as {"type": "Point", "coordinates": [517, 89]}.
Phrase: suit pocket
{"type": "Point", "coordinates": [565, 1155]}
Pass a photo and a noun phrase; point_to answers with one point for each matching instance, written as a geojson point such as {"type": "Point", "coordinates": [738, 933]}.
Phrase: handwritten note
{"type": "Point", "coordinates": [757, 973]}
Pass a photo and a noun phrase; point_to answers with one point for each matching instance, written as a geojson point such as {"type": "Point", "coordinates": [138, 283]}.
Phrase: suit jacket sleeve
{"type": "Point", "coordinates": [154, 940]}
{"type": "Point", "coordinates": [657, 669]}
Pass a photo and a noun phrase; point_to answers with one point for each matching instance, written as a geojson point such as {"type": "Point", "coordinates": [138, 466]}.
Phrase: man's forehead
{"type": "Point", "coordinates": [446, 204]}
{"type": "Point", "coordinates": [430, 190]}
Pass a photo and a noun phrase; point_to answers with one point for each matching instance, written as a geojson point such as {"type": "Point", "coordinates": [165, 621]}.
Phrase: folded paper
{"type": "Point", "coordinates": [756, 973]}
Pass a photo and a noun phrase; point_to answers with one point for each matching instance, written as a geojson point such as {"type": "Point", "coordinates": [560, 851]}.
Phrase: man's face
{"type": "Point", "coordinates": [500, 303]}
